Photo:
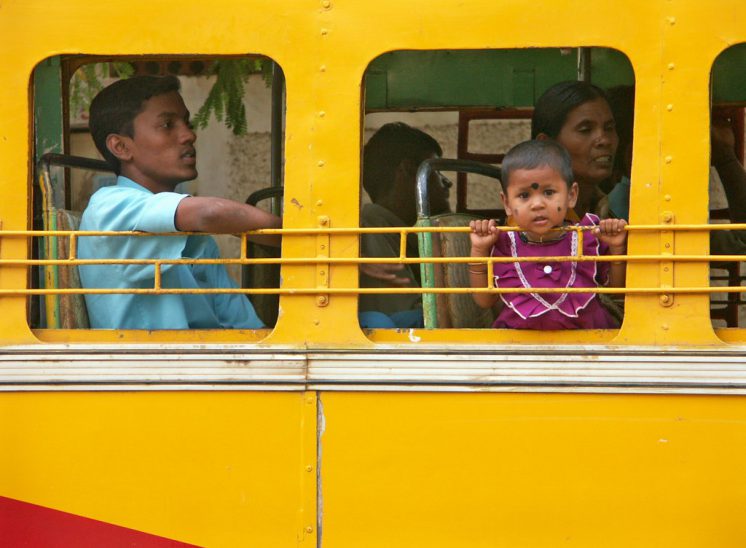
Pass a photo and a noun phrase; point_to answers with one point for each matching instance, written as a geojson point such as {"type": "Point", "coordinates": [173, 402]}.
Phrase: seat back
{"type": "Point", "coordinates": [456, 310]}
{"type": "Point", "coordinates": [63, 311]}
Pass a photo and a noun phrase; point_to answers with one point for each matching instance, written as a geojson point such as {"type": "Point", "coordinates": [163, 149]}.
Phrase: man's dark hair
{"type": "Point", "coordinates": [552, 108]}
{"type": "Point", "coordinates": [387, 149]}
{"type": "Point", "coordinates": [535, 154]}
{"type": "Point", "coordinates": [115, 107]}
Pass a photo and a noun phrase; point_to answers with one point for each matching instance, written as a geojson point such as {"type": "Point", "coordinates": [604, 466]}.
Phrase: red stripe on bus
{"type": "Point", "coordinates": [30, 525]}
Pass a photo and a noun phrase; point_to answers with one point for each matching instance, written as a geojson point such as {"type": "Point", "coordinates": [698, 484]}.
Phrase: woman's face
{"type": "Point", "coordinates": [589, 135]}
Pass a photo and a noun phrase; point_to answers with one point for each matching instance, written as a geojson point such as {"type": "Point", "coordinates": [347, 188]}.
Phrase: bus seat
{"type": "Point", "coordinates": [64, 311]}
{"type": "Point", "coordinates": [456, 310]}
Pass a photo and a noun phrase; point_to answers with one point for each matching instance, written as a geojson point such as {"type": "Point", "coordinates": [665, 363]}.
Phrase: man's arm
{"type": "Point", "coordinates": [218, 215]}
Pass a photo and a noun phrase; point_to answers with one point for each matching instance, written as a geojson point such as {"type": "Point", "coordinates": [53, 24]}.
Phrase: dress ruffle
{"type": "Point", "coordinates": [550, 273]}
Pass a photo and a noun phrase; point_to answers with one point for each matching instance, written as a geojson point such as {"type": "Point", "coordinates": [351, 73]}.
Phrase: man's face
{"type": "Point", "coordinates": [161, 154]}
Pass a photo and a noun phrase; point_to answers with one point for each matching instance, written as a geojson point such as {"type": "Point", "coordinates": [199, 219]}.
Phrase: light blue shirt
{"type": "Point", "coordinates": [129, 206]}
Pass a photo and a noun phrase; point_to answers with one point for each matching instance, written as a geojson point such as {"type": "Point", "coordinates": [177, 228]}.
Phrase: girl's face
{"type": "Point", "coordinates": [538, 200]}
{"type": "Point", "coordinates": [589, 135]}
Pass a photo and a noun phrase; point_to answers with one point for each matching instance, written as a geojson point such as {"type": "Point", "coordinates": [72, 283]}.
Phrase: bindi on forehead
{"type": "Point", "coordinates": [534, 186]}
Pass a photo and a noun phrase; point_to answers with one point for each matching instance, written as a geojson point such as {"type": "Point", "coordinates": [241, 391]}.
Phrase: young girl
{"type": "Point", "coordinates": [538, 190]}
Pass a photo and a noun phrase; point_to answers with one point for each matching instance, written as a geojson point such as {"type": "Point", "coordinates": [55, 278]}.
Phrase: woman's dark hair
{"type": "Point", "coordinates": [552, 108]}
{"type": "Point", "coordinates": [115, 107]}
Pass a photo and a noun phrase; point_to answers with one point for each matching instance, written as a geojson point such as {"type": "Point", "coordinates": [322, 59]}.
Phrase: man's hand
{"type": "Point", "coordinates": [386, 272]}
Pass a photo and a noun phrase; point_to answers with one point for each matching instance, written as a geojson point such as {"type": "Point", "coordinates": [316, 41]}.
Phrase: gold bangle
{"type": "Point", "coordinates": [472, 271]}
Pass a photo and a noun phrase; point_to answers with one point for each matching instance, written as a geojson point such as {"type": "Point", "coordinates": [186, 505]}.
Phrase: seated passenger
{"type": "Point", "coordinates": [141, 127]}
{"type": "Point", "coordinates": [577, 115]}
{"type": "Point", "coordinates": [723, 160]}
{"type": "Point", "coordinates": [538, 190]}
{"type": "Point", "coordinates": [390, 161]}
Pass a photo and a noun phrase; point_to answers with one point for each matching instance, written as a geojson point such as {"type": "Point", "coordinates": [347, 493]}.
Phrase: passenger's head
{"type": "Point", "coordinates": [390, 161]}
{"type": "Point", "coordinates": [114, 109]}
{"type": "Point", "coordinates": [538, 186]}
{"type": "Point", "coordinates": [577, 115]}
{"type": "Point", "coordinates": [622, 103]}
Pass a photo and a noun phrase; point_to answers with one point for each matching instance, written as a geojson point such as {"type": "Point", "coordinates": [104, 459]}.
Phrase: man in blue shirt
{"type": "Point", "coordinates": [141, 127]}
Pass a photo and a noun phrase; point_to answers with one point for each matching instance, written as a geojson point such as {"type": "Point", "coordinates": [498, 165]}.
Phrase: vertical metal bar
{"type": "Point", "coordinates": [276, 137]}
{"type": "Point", "coordinates": [157, 284]}
{"type": "Point", "coordinates": [403, 244]}
{"type": "Point", "coordinates": [584, 64]}
{"type": "Point", "coordinates": [73, 254]}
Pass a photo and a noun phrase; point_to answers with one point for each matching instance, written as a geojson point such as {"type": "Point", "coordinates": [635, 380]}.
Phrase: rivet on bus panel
{"type": "Point", "coordinates": [667, 197]}
{"type": "Point", "coordinates": [324, 32]}
{"type": "Point", "coordinates": [317, 322]}
{"type": "Point", "coordinates": [664, 327]}
{"type": "Point", "coordinates": [671, 66]}
{"type": "Point", "coordinates": [322, 68]}
{"type": "Point", "coordinates": [309, 468]}
{"type": "Point", "coordinates": [327, 4]}
{"type": "Point", "coordinates": [669, 159]}
{"type": "Point", "coordinates": [309, 529]}
{"type": "Point", "coordinates": [672, 21]}
{"type": "Point", "coordinates": [319, 203]}
{"type": "Point", "coordinates": [669, 107]}
{"type": "Point", "coordinates": [321, 163]}
{"type": "Point", "coordinates": [321, 300]}
{"type": "Point", "coordinates": [322, 114]}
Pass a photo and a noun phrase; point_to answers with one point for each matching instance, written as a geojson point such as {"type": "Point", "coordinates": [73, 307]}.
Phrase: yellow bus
{"type": "Point", "coordinates": [317, 432]}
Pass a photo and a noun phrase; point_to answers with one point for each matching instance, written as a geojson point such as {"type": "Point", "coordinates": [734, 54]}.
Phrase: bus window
{"type": "Point", "coordinates": [727, 185]}
{"type": "Point", "coordinates": [232, 122]}
{"type": "Point", "coordinates": [464, 105]}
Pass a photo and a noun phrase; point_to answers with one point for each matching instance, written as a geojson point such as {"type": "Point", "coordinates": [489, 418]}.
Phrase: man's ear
{"type": "Point", "coordinates": [119, 146]}
{"type": "Point", "coordinates": [506, 205]}
{"type": "Point", "coordinates": [572, 195]}
{"type": "Point", "coordinates": [543, 137]}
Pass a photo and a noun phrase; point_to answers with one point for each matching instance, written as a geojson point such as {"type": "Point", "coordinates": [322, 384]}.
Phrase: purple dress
{"type": "Point", "coordinates": [552, 310]}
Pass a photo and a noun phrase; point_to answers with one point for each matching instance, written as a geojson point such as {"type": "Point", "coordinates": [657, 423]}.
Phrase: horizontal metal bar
{"type": "Point", "coordinates": [374, 290]}
{"type": "Point", "coordinates": [380, 260]}
{"type": "Point", "coordinates": [363, 230]}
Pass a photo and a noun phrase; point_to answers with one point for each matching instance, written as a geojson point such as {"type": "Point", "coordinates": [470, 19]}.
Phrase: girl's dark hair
{"type": "Point", "coordinates": [535, 154]}
{"type": "Point", "coordinates": [552, 108]}
{"type": "Point", "coordinates": [115, 107]}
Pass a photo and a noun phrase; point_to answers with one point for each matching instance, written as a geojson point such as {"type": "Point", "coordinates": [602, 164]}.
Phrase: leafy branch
{"type": "Point", "coordinates": [225, 100]}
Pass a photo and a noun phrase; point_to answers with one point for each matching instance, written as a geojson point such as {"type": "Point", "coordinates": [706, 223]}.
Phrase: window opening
{"type": "Point", "coordinates": [237, 106]}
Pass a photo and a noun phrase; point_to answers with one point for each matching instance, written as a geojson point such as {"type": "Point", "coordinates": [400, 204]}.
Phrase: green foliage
{"type": "Point", "coordinates": [225, 100]}
{"type": "Point", "coordinates": [87, 82]}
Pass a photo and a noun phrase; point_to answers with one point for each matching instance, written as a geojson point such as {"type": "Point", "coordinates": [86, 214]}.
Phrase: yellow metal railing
{"type": "Point", "coordinates": [73, 260]}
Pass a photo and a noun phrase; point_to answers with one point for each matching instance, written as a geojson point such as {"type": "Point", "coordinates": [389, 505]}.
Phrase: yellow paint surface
{"type": "Point", "coordinates": [321, 49]}
{"type": "Point", "coordinates": [209, 468]}
{"type": "Point", "coordinates": [536, 470]}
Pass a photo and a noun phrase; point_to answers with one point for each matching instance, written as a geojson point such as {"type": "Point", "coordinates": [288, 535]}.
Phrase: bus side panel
{"type": "Point", "coordinates": [206, 468]}
{"type": "Point", "coordinates": [493, 469]}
